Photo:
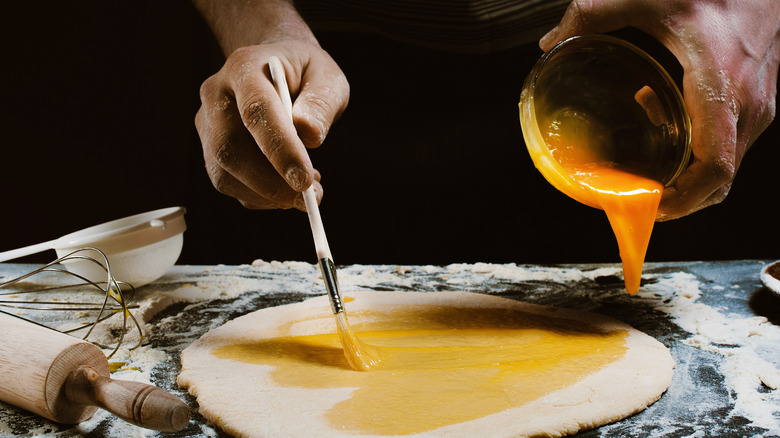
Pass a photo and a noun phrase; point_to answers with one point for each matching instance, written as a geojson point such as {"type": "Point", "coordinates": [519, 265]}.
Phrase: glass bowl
{"type": "Point", "coordinates": [600, 99]}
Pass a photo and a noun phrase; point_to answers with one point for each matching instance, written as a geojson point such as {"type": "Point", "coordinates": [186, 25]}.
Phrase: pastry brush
{"type": "Point", "coordinates": [359, 355]}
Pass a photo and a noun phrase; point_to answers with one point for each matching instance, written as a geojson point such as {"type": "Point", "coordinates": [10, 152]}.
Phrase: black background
{"type": "Point", "coordinates": [427, 165]}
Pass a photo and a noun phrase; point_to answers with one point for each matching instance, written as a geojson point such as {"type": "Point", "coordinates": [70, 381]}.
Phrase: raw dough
{"type": "Point", "coordinates": [230, 370]}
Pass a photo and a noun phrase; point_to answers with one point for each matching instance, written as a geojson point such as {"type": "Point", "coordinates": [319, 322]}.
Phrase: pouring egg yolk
{"type": "Point", "coordinates": [631, 203]}
{"type": "Point", "coordinates": [568, 152]}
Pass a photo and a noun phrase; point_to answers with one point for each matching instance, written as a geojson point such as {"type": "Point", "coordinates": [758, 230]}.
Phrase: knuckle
{"type": "Point", "coordinates": [579, 7]}
{"type": "Point", "coordinates": [254, 112]}
{"type": "Point", "coordinates": [242, 65]}
{"type": "Point", "coordinates": [224, 104]}
{"type": "Point", "coordinates": [221, 180]}
{"type": "Point", "coordinates": [200, 121]}
{"type": "Point", "coordinates": [323, 101]}
{"type": "Point", "coordinates": [318, 106]}
{"type": "Point", "coordinates": [215, 100]}
{"type": "Point", "coordinates": [322, 106]}
{"type": "Point", "coordinates": [224, 149]}
{"type": "Point", "coordinates": [580, 11]}
{"type": "Point", "coordinates": [238, 60]}
{"type": "Point", "coordinates": [207, 89]}
{"type": "Point", "coordinates": [718, 196]}
{"type": "Point", "coordinates": [273, 145]}
{"type": "Point", "coordinates": [722, 170]}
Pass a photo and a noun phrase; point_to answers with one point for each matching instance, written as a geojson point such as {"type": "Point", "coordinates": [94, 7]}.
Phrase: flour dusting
{"type": "Point", "coordinates": [744, 342]}
{"type": "Point", "coordinates": [727, 374]}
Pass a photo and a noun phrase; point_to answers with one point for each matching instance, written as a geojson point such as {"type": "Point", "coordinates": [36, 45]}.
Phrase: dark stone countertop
{"type": "Point", "coordinates": [720, 324]}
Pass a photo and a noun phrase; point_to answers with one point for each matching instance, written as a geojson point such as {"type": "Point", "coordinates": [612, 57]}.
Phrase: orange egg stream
{"type": "Point", "coordinates": [629, 200]}
{"type": "Point", "coordinates": [631, 203]}
{"type": "Point", "coordinates": [575, 153]}
{"type": "Point", "coordinates": [606, 125]}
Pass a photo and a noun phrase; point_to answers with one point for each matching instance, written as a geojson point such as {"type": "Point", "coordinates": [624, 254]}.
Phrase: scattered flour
{"type": "Point", "coordinates": [746, 347]}
{"type": "Point", "coordinates": [743, 342]}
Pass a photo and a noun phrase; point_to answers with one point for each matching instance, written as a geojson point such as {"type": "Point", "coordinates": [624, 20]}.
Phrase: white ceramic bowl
{"type": "Point", "coordinates": [139, 248]}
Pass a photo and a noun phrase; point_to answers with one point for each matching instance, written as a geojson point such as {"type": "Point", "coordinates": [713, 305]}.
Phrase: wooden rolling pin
{"type": "Point", "coordinates": [66, 380]}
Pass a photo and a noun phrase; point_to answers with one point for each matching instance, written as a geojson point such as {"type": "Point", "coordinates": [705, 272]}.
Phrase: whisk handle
{"type": "Point", "coordinates": [27, 250]}
{"type": "Point", "coordinates": [135, 402]}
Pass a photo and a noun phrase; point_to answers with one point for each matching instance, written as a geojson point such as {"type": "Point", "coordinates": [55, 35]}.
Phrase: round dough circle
{"type": "Point", "coordinates": [244, 400]}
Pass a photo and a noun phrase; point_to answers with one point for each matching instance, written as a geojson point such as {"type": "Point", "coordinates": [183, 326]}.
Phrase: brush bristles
{"type": "Point", "coordinates": [361, 356]}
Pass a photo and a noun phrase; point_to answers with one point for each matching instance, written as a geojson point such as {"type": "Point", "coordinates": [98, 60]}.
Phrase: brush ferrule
{"type": "Point", "coordinates": [331, 284]}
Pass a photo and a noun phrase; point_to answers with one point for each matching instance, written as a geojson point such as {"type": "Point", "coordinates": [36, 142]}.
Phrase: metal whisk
{"type": "Point", "coordinates": [114, 297]}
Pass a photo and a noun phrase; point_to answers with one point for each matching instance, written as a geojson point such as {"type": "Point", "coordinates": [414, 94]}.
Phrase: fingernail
{"type": "Point", "coordinates": [297, 178]}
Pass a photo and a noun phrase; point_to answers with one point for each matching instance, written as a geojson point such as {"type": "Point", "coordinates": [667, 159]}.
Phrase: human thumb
{"type": "Point", "coordinates": [320, 102]}
{"type": "Point", "coordinates": [594, 16]}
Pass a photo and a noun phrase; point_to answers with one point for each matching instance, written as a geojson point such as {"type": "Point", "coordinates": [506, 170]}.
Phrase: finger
{"type": "Point", "coordinates": [715, 198]}
{"type": "Point", "coordinates": [759, 108]}
{"type": "Point", "coordinates": [264, 204]}
{"type": "Point", "coordinates": [321, 100]}
{"type": "Point", "coordinates": [226, 184]}
{"type": "Point", "coordinates": [596, 16]}
{"type": "Point", "coordinates": [263, 115]}
{"type": "Point", "coordinates": [714, 114]}
{"type": "Point", "coordinates": [229, 150]}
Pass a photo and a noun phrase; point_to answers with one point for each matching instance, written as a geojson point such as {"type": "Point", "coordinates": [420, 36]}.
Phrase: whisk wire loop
{"type": "Point", "coordinates": [116, 297]}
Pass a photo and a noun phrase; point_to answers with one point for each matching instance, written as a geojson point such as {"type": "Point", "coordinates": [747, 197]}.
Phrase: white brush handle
{"type": "Point", "coordinates": [309, 196]}
{"type": "Point", "coordinates": [315, 220]}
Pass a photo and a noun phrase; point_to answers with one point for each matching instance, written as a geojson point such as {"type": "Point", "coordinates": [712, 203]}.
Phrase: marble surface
{"type": "Point", "coordinates": [721, 325]}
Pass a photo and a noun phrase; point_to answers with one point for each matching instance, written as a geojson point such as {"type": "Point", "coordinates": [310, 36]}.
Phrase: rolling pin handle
{"type": "Point", "coordinates": [138, 403]}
